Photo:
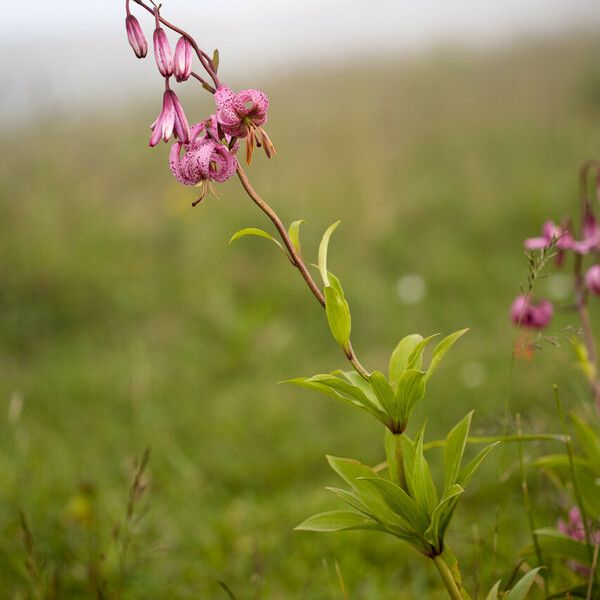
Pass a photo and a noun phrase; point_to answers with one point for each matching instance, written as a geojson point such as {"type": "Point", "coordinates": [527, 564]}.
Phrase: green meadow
{"type": "Point", "coordinates": [128, 322]}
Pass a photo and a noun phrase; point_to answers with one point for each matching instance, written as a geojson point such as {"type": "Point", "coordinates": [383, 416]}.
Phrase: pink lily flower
{"type": "Point", "coordinates": [241, 115]}
{"type": "Point", "coordinates": [591, 236]}
{"type": "Point", "coordinates": [592, 280]}
{"type": "Point", "coordinates": [183, 60]}
{"type": "Point", "coordinates": [171, 119]}
{"type": "Point", "coordinates": [203, 160]}
{"type": "Point", "coordinates": [136, 37]}
{"type": "Point", "coordinates": [163, 53]}
{"type": "Point", "coordinates": [525, 313]}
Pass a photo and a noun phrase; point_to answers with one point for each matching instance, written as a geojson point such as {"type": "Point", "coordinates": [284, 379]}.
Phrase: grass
{"type": "Point", "coordinates": [128, 322]}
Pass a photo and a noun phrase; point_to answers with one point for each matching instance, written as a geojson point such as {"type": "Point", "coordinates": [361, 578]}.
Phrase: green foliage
{"type": "Point", "coordinates": [294, 233]}
{"type": "Point", "coordinates": [411, 510]}
{"type": "Point", "coordinates": [255, 231]}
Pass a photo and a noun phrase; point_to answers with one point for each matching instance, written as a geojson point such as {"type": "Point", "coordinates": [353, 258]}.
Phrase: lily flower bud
{"type": "Point", "coordinates": [136, 37]}
{"type": "Point", "coordinates": [163, 53]}
{"type": "Point", "coordinates": [183, 59]}
{"type": "Point", "coordinates": [531, 315]}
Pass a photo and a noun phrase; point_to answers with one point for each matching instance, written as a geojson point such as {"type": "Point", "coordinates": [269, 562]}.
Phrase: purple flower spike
{"type": "Point", "coordinates": [592, 280]}
{"type": "Point", "coordinates": [574, 528]}
{"type": "Point", "coordinates": [183, 60]}
{"type": "Point", "coordinates": [241, 115]}
{"type": "Point", "coordinates": [525, 313]}
{"type": "Point", "coordinates": [162, 52]}
{"type": "Point", "coordinates": [136, 37]}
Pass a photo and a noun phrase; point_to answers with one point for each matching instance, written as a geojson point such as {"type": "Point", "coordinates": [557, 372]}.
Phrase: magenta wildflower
{"type": "Point", "coordinates": [241, 115]}
{"type": "Point", "coordinates": [591, 236]}
{"type": "Point", "coordinates": [203, 160]}
{"type": "Point", "coordinates": [525, 313]}
{"type": "Point", "coordinates": [136, 37]}
{"type": "Point", "coordinates": [552, 234]}
{"type": "Point", "coordinates": [171, 119]}
{"type": "Point", "coordinates": [592, 280]}
{"type": "Point", "coordinates": [182, 63]}
{"type": "Point", "coordinates": [574, 528]}
{"type": "Point", "coordinates": [163, 53]}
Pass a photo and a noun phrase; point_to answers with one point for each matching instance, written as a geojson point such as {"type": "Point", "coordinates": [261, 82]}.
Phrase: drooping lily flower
{"type": "Point", "coordinates": [163, 53]}
{"type": "Point", "coordinates": [242, 115]}
{"type": "Point", "coordinates": [182, 62]}
{"type": "Point", "coordinates": [203, 160]}
{"type": "Point", "coordinates": [552, 234]}
{"type": "Point", "coordinates": [171, 119]}
{"type": "Point", "coordinates": [136, 37]}
{"type": "Point", "coordinates": [526, 313]}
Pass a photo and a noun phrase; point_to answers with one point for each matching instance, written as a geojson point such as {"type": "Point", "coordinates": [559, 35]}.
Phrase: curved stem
{"type": "Point", "coordinates": [296, 259]}
{"type": "Point", "coordinates": [447, 578]}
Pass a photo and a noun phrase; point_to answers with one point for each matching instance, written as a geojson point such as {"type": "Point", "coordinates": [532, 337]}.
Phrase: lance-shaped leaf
{"type": "Point", "coordinates": [399, 357]}
{"type": "Point", "coordinates": [423, 487]}
{"type": "Point", "coordinates": [338, 316]}
{"type": "Point", "coordinates": [411, 389]}
{"type": "Point", "coordinates": [257, 233]}
{"type": "Point", "coordinates": [415, 360]}
{"type": "Point", "coordinates": [521, 588]}
{"type": "Point", "coordinates": [470, 468]}
{"type": "Point", "coordinates": [349, 469]}
{"type": "Point", "coordinates": [323, 248]}
{"type": "Point", "coordinates": [440, 350]}
{"type": "Point", "coordinates": [399, 502]}
{"type": "Point", "coordinates": [589, 440]}
{"type": "Point", "coordinates": [493, 593]}
{"type": "Point", "coordinates": [441, 515]}
{"type": "Point", "coordinates": [456, 442]}
{"type": "Point", "coordinates": [385, 395]}
{"type": "Point", "coordinates": [552, 541]}
{"type": "Point", "coordinates": [294, 233]}
{"type": "Point", "coordinates": [340, 389]}
{"type": "Point", "coordinates": [338, 520]}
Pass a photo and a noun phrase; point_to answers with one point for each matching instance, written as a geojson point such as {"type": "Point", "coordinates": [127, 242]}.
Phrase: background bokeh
{"type": "Point", "coordinates": [441, 137]}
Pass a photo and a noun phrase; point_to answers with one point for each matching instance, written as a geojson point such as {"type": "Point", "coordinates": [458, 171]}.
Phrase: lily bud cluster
{"type": "Point", "coordinates": [206, 151]}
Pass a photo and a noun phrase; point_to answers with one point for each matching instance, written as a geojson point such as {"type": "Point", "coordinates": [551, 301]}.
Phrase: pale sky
{"type": "Point", "coordinates": [65, 51]}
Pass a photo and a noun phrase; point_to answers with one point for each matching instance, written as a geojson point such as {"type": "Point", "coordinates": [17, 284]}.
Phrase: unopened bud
{"type": "Point", "coordinates": [162, 52]}
{"type": "Point", "coordinates": [183, 59]}
{"type": "Point", "coordinates": [136, 37]}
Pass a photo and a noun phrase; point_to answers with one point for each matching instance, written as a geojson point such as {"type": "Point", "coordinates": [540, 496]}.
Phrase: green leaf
{"type": "Point", "coordinates": [588, 439]}
{"type": "Point", "coordinates": [441, 515]}
{"type": "Point", "coordinates": [351, 499]}
{"type": "Point", "coordinates": [215, 60]}
{"type": "Point", "coordinates": [294, 233]}
{"type": "Point", "coordinates": [519, 591]}
{"type": "Point", "coordinates": [415, 360]}
{"type": "Point", "coordinates": [384, 394]}
{"type": "Point", "coordinates": [411, 389]}
{"type": "Point", "coordinates": [323, 246]}
{"type": "Point", "coordinates": [349, 469]}
{"type": "Point", "coordinates": [393, 453]}
{"type": "Point", "coordinates": [468, 471]}
{"type": "Point", "coordinates": [493, 593]}
{"type": "Point", "coordinates": [256, 232]}
{"type": "Point", "coordinates": [338, 520]}
{"type": "Point", "coordinates": [341, 390]}
{"type": "Point", "coordinates": [338, 316]}
{"type": "Point", "coordinates": [399, 358]}
{"type": "Point", "coordinates": [408, 457]}
{"type": "Point", "coordinates": [440, 350]}
{"type": "Point", "coordinates": [552, 541]}
{"type": "Point", "coordinates": [423, 487]}
{"type": "Point", "coordinates": [456, 442]}
{"type": "Point", "coordinates": [399, 501]}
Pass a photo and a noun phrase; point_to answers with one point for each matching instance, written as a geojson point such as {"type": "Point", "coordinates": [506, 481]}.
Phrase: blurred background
{"type": "Point", "coordinates": [441, 135]}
